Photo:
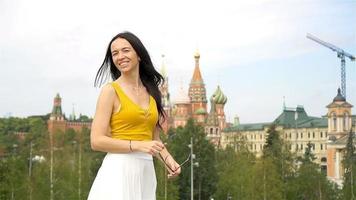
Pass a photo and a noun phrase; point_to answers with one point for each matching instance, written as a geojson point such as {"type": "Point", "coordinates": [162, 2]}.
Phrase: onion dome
{"type": "Point", "coordinates": [200, 111]}
{"type": "Point", "coordinates": [339, 96]}
{"type": "Point", "coordinates": [218, 97]}
{"type": "Point", "coordinates": [183, 97]}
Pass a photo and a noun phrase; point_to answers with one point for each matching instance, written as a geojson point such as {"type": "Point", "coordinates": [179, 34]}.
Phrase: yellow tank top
{"type": "Point", "coordinates": [133, 122]}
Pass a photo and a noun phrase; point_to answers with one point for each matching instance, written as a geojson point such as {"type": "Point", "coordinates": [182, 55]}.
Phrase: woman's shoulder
{"type": "Point", "coordinates": [108, 90]}
{"type": "Point", "coordinates": [108, 87]}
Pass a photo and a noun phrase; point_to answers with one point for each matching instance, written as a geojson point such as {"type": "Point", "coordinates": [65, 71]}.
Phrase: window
{"type": "Point", "coordinates": [321, 146]}
{"type": "Point", "coordinates": [297, 135]}
{"type": "Point", "coordinates": [301, 135]}
{"type": "Point", "coordinates": [334, 121]}
{"type": "Point", "coordinates": [321, 134]}
{"type": "Point", "coordinates": [301, 147]}
{"type": "Point", "coordinates": [308, 135]}
{"type": "Point", "coordinates": [313, 135]}
{"type": "Point", "coordinates": [296, 147]}
{"type": "Point", "coordinates": [344, 121]}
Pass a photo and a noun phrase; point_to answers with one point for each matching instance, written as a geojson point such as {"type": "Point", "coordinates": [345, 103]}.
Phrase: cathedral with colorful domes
{"type": "Point", "coordinates": [193, 104]}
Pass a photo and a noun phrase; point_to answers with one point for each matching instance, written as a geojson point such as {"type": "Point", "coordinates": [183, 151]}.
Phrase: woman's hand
{"type": "Point", "coordinates": [152, 147]}
{"type": "Point", "coordinates": [173, 166]}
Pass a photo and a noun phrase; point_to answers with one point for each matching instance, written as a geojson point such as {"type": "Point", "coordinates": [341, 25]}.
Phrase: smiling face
{"type": "Point", "coordinates": [124, 56]}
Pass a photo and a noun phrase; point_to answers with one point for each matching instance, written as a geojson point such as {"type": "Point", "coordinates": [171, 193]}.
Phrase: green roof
{"type": "Point", "coordinates": [313, 122]}
{"type": "Point", "coordinates": [247, 127]}
{"type": "Point", "coordinates": [201, 111]}
{"type": "Point", "coordinates": [287, 119]}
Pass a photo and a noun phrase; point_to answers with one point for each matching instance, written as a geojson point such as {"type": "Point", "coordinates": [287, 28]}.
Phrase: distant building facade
{"type": "Point", "coordinates": [327, 134]}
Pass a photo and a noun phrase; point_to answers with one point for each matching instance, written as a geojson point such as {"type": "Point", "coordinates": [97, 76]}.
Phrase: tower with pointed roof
{"type": "Point", "coordinates": [339, 116]}
{"type": "Point", "coordinates": [216, 121]}
{"type": "Point", "coordinates": [339, 125]}
{"type": "Point", "coordinates": [56, 120]}
{"type": "Point", "coordinates": [163, 87]}
{"type": "Point", "coordinates": [197, 93]}
{"type": "Point", "coordinates": [56, 113]}
{"type": "Point", "coordinates": [220, 100]}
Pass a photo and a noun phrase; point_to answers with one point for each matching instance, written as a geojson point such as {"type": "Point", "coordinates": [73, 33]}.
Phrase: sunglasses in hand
{"type": "Point", "coordinates": [181, 165]}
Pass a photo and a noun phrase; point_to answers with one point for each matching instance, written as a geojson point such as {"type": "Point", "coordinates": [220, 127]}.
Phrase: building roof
{"type": "Point", "coordinates": [247, 127]}
{"type": "Point", "coordinates": [339, 96]}
{"type": "Point", "coordinates": [200, 111]}
{"type": "Point", "coordinates": [289, 118]}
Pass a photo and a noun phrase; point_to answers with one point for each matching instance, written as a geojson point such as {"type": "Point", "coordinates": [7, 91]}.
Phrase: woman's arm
{"type": "Point", "coordinates": [100, 138]}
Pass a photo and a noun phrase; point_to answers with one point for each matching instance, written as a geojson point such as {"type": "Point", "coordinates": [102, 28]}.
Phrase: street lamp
{"type": "Point", "coordinates": [75, 145]}
{"type": "Point", "coordinates": [14, 146]}
{"type": "Point", "coordinates": [192, 157]}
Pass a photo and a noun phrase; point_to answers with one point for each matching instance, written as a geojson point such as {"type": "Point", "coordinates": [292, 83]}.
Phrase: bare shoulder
{"type": "Point", "coordinates": [107, 93]}
{"type": "Point", "coordinates": [108, 90]}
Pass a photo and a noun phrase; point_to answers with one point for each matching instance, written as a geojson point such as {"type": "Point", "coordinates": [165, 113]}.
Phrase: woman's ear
{"type": "Point", "coordinates": [139, 59]}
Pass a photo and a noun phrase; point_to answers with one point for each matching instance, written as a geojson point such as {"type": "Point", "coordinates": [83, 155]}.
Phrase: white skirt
{"type": "Point", "coordinates": [125, 176]}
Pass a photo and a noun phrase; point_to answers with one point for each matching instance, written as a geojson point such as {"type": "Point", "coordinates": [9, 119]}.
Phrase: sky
{"type": "Point", "coordinates": [256, 50]}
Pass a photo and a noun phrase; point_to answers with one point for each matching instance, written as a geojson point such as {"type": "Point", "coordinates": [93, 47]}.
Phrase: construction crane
{"type": "Point", "coordinates": [340, 54]}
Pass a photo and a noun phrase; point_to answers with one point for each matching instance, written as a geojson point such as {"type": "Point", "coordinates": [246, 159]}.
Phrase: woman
{"type": "Point", "coordinates": [127, 123]}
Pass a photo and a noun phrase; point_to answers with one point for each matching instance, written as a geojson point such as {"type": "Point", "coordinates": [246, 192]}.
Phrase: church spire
{"type": "Point", "coordinates": [57, 109]}
{"type": "Point", "coordinates": [197, 78]}
{"type": "Point", "coordinates": [197, 93]}
{"type": "Point", "coordinates": [164, 85]}
{"type": "Point", "coordinates": [163, 67]}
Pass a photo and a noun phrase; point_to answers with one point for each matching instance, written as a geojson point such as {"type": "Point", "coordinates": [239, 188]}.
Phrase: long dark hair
{"type": "Point", "coordinates": [150, 78]}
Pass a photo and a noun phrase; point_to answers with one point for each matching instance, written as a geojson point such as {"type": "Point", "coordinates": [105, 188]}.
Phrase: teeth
{"type": "Point", "coordinates": [123, 64]}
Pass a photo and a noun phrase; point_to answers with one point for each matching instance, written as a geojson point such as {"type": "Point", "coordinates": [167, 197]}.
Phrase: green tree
{"type": "Point", "coordinates": [310, 182]}
{"type": "Point", "coordinates": [276, 151]}
{"type": "Point", "coordinates": [205, 176]}
{"type": "Point", "coordinates": [235, 172]}
{"type": "Point", "coordinates": [166, 188]}
{"type": "Point", "coordinates": [349, 162]}
{"type": "Point", "coordinates": [266, 181]}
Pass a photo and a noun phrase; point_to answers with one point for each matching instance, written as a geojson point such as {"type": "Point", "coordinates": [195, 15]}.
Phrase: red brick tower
{"type": "Point", "coordinates": [56, 120]}
{"type": "Point", "coordinates": [197, 93]}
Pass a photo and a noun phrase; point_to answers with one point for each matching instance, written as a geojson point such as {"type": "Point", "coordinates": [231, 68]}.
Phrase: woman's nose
{"type": "Point", "coordinates": [120, 56]}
